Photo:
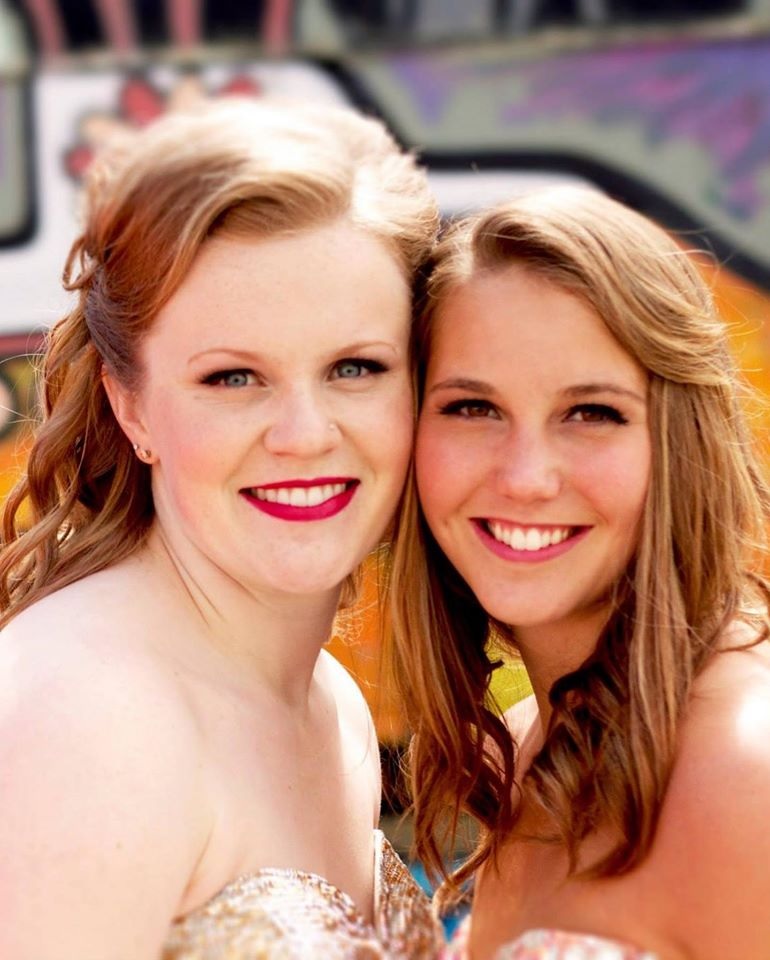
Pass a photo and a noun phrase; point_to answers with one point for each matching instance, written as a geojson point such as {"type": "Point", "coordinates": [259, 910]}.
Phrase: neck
{"type": "Point", "coordinates": [269, 641]}
{"type": "Point", "coordinates": [551, 651]}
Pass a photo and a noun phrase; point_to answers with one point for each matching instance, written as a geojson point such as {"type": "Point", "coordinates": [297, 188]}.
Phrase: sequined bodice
{"type": "Point", "coordinates": [558, 945]}
{"type": "Point", "coordinates": [550, 945]}
{"type": "Point", "coordinates": [277, 914]}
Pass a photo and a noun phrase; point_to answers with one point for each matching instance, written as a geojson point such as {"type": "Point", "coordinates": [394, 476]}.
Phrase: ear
{"type": "Point", "coordinates": [128, 412]}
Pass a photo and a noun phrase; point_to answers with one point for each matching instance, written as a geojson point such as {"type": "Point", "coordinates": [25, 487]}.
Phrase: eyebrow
{"type": "Point", "coordinates": [462, 383]}
{"type": "Point", "coordinates": [587, 389]}
{"type": "Point", "coordinates": [578, 390]}
{"type": "Point", "coordinates": [232, 351]}
{"type": "Point", "coordinates": [347, 349]}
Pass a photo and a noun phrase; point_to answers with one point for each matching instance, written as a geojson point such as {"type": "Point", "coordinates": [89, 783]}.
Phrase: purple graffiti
{"type": "Point", "coordinates": [715, 95]}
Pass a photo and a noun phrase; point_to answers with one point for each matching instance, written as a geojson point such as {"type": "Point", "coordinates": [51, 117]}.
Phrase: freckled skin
{"type": "Point", "coordinates": [287, 408]}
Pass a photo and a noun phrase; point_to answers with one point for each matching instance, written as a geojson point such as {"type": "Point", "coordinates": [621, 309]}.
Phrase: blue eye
{"type": "Point", "coordinates": [230, 378]}
{"type": "Point", "coordinates": [353, 368]}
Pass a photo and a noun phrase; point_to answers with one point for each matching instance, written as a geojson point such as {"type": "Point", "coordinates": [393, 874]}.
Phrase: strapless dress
{"type": "Point", "coordinates": [550, 945]}
{"type": "Point", "coordinates": [283, 914]}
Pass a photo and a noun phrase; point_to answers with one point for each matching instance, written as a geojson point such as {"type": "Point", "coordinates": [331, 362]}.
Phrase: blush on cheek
{"type": "Point", "coordinates": [624, 476]}
{"type": "Point", "coordinates": [444, 472]}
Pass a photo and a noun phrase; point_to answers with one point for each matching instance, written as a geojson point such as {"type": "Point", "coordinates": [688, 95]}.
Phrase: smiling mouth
{"type": "Point", "coordinates": [303, 500]}
{"type": "Point", "coordinates": [530, 539]}
{"type": "Point", "coordinates": [291, 496]}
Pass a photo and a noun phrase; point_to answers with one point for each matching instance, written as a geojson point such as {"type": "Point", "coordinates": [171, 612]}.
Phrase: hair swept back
{"type": "Point", "coordinates": [611, 742]}
{"type": "Point", "coordinates": [231, 167]}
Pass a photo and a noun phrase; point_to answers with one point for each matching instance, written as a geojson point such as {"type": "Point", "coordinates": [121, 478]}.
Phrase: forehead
{"type": "Point", "coordinates": [513, 318]}
{"type": "Point", "coordinates": [321, 283]}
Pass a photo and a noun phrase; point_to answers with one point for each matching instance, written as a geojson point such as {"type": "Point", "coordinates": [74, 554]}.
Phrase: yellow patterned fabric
{"type": "Point", "coordinates": [278, 914]}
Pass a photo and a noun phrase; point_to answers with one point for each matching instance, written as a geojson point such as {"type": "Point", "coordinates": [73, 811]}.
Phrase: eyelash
{"type": "Point", "coordinates": [456, 407]}
{"type": "Point", "coordinates": [217, 378]}
{"type": "Point", "coordinates": [369, 366]}
{"type": "Point", "coordinates": [601, 412]}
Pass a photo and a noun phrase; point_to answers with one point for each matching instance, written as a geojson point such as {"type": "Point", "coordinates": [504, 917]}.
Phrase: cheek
{"type": "Point", "coordinates": [394, 438]}
{"type": "Point", "coordinates": [194, 442]}
{"type": "Point", "coordinates": [185, 439]}
{"type": "Point", "coordinates": [385, 426]}
{"type": "Point", "coordinates": [434, 459]}
{"type": "Point", "coordinates": [620, 482]}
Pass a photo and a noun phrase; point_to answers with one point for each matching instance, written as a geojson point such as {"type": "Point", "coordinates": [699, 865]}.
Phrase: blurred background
{"type": "Point", "coordinates": [665, 104]}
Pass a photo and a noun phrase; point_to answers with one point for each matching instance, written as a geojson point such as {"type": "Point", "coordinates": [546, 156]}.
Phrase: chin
{"type": "Point", "coordinates": [304, 586]}
{"type": "Point", "coordinates": [305, 583]}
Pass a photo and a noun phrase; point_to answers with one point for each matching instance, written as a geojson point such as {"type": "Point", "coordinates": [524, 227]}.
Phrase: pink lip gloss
{"type": "Point", "coordinates": [527, 556]}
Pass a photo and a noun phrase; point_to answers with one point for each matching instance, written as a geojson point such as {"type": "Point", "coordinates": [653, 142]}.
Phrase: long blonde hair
{"type": "Point", "coordinates": [611, 742]}
{"type": "Point", "coordinates": [235, 167]}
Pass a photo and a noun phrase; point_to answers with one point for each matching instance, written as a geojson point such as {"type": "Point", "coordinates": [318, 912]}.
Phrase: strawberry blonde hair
{"type": "Point", "coordinates": [611, 742]}
{"type": "Point", "coordinates": [231, 167]}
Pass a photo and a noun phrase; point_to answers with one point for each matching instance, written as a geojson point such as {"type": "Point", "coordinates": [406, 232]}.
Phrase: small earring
{"type": "Point", "coordinates": [143, 455]}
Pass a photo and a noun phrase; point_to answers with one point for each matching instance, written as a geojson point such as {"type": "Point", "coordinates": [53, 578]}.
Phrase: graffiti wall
{"type": "Point", "coordinates": [681, 128]}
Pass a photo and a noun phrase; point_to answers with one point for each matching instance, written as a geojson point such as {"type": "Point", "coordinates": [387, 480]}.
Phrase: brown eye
{"type": "Point", "coordinates": [469, 409]}
{"type": "Point", "coordinates": [595, 413]}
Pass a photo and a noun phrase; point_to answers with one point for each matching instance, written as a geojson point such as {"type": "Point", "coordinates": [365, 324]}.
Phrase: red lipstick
{"type": "Point", "coordinates": [333, 500]}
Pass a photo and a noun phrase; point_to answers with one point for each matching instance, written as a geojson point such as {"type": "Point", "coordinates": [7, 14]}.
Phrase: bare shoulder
{"type": "Point", "coordinates": [99, 814]}
{"type": "Point", "coordinates": [731, 699]}
{"type": "Point", "coordinates": [84, 649]}
{"type": "Point", "coordinates": [346, 690]}
{"type": "Point", "coordinates": [713, 845]}
{"type": "Point", "coordinates": [357, 719]}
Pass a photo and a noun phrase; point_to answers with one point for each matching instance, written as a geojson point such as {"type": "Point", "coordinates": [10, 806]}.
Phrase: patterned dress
{"type": "Point", "coordinates": [280, 914]}
{"type": "Point", "coordinates": [550, 945]}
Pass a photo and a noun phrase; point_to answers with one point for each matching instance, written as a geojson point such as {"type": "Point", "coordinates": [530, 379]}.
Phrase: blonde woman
{"type": "Point", "coordinates": [588, 495]}
{"type": "Point", "coordinates": [228, 421]}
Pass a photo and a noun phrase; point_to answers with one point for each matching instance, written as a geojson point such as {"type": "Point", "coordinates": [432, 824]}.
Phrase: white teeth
{"type": "Point", "coordinates": [299, 496]}
{"type": "Point", "coordinates": [315, 495]}
{"type": "Point", "coordinates": [529, 538]}
{"type": "Point", "coordinates": [534, 539]}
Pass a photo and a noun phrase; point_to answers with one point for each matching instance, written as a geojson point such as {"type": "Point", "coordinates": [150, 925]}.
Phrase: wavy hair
{"type": "Point", "coordinates": [231, 167]}
{"type": "Point", "coordinates": [611, 742]}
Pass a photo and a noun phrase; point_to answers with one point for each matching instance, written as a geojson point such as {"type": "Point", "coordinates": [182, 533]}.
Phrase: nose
{"type": "Point", "coordinates": [300, 426]}
{"type": "Point", "coordinates": [528, 468]}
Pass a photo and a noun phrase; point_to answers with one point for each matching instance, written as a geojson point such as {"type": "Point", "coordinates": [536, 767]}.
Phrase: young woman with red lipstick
{"type": "Point", "coordinates": [228, 423]}
{"type": "Point", "coordinates": [588, 497]}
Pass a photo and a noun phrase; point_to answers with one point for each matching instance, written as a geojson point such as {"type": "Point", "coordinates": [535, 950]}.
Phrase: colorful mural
{"type": "Point", "coordinates": [140, 101]}
{"type": "Point", "coordinates": [678, 128]}
{"type": "Point", "coordinates": [18, 404]}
